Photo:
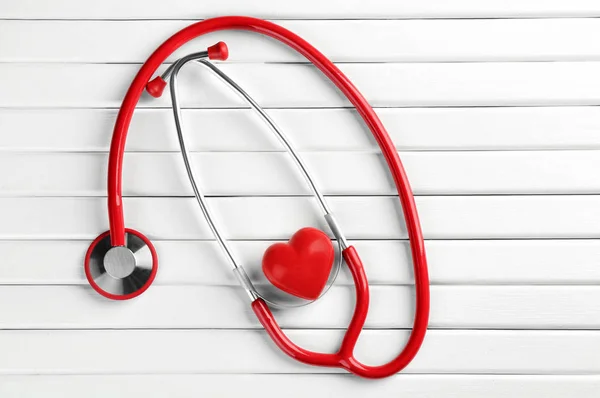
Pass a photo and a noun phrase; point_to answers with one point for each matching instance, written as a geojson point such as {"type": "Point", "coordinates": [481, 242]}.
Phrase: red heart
{"type": "Point", "coordinates": [302, 266]}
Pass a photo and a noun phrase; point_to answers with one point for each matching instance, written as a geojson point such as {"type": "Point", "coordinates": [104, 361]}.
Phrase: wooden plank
{"type": "Point", "coordinates": [228, 351]}
{"type": "Point", "coordinates": [412, 129]}
{"type": "Point", "coordinates": [379, 41]}
{"type": "Point", "coordinates": [214, 307]}
{"type": "Point", "coordinates": [298, 386]}
{"type": "Point", "coordinates": [449, 217]}
{"type": "Point", "coordinates": [336, 173]}
{"type": "Point", "coordinates": [283, 86]}
{"type": "Point", "coordinates": [336, 9]}
{"type": "Point", "coordinates": [483, 262]}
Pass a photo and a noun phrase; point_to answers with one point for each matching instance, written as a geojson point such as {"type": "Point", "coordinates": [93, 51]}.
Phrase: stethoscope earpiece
{"type": "Point", "coordinates": [121, 272]}
{"type": "Point", "coordinates": [218, 52]}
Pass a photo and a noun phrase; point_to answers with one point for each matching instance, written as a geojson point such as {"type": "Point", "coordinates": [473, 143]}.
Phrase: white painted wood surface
{"type": "Point", "coordinates": [301, 385]}
{"type": "Point", "coordinates": [301, 86]}
{"type": "Point", "coordinates": [440, 40]}
{"type": "Point", "coordinates": [493, 106]}
{"type": "Point", "coordinates": [310, 9]}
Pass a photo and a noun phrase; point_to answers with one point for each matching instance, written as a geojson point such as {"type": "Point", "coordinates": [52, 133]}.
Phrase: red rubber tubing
{"type": "Point", "coordinates": [344, 357]}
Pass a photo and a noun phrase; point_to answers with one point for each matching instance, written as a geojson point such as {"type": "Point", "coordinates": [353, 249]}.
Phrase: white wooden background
{"type": "Point", "coordinates": [493, 105]}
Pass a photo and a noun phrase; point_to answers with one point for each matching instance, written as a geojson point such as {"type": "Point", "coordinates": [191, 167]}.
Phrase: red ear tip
{"type": "Point", "coordinates": [156, 86]}
{"type": "Point", "coordinates": [218, 51]}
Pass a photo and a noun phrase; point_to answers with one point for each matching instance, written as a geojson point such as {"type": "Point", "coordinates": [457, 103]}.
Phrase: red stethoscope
{"type": "Point", "coordinates": [122, 263]}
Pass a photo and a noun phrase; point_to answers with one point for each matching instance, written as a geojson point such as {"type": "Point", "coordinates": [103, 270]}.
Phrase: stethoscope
{"type": "Point", "coordinates": [122, 263]}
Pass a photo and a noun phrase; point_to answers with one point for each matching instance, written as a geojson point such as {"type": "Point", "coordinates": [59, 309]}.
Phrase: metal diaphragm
{"type": "Point", "coordinates": [121, 272]}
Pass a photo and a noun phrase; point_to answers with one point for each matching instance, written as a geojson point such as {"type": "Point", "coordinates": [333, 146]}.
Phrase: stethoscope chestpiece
{"type": "Point", "coordinates": [121, 272]}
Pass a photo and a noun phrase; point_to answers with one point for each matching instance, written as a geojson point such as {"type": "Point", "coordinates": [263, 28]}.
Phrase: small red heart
{"type": "Point", "coordinates": [302, 266]}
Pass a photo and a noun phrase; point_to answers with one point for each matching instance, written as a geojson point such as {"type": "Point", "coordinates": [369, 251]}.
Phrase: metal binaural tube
{"type": "Point", "coordinates": [184, 152]}
{"type": "Point", "coordinates": [288, 145]}
{"type": "Point", "coordinates": [183, 61]}
{"type": "Point", "coordinates": [245, 282]}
